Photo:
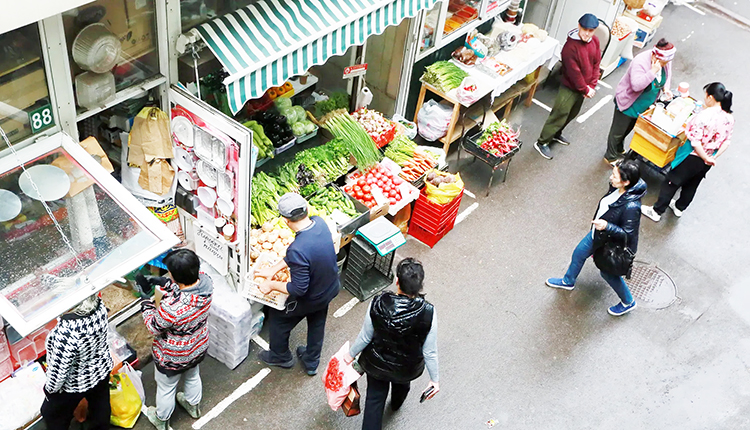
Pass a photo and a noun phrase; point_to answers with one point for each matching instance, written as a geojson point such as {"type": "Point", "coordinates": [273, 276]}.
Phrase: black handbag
{"type": "Point", "coordinates": [614, 258]}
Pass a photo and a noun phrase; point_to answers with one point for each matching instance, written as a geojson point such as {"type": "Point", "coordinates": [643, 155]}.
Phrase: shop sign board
{"type": "Point", "coordinates": [355, 70]}
{"type": "Point", "coordinates": [41, 118]}
{"type": "Point", "coordinates": [212, 250]}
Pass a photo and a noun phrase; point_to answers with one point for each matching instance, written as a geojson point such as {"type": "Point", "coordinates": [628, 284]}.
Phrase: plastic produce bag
{"type": "Point", "coordinates": [124, 399]}
{"type": "Point", "coordinates": [467, 92]}
{"type": "Point", "coordinates": [445, 192]}
{"type": "Point", "coordinates": [338, 377]}
{"type": "Point", "coordinates": [433, 120]}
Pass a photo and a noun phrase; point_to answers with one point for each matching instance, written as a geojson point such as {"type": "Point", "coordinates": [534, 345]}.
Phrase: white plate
{"type": "Point", "coordinates": [10, 205]}
{"type": "Point", "coordinates": [53, 183]}
{"type": "Point", "coordinates": [207, 173]}
{"type": "Point", "coordinates": [182, 128]}
{"type": "Point", "coordinates": [207, 196]}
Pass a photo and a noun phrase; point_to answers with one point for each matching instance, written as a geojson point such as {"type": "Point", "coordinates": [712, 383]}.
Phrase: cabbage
{"type": "Point", "coordinates": [298, 128]}
{"type": "Point", "coordinates": [283, 102]}
{"type": "Point", "coordinates": [289, 113]}
{"type": "Point", "coordinates": [300, 111]}
{"type": "Point", "coordinates": [309, 126]}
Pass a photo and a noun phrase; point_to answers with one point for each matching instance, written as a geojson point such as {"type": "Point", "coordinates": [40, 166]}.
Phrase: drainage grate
{"type": "Point", "coordinates": [651, 286]}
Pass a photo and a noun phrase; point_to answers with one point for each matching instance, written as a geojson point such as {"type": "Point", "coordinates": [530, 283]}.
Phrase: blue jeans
{"type": "Point", "coordinates": [584, 250]}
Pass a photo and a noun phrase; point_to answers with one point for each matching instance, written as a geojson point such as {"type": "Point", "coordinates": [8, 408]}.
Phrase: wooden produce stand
{"type": "Point", "coordinates": [653, 143]}
{"type": "Point", "coordinates": [462, 121]}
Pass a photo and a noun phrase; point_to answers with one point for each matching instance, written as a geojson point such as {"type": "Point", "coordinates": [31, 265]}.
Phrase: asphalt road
{"type": "Point", "coordinates": [529, 357]}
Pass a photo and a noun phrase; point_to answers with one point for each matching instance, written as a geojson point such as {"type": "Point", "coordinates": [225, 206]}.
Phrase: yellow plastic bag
{"type": "Point", "coordinates": [125, 401]}
{"type": "Point", "coordinates": [445, 192]}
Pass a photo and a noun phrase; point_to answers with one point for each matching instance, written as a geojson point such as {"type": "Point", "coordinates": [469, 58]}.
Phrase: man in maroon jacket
{"type": "Point", "coordinates": [580, 73]}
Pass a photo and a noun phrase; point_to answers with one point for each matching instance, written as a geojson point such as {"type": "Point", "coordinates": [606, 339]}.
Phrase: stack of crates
{"type": "Point", "coordinates": [367, 272]}
{"type": "Point", "coordinates": [430, 221]}
{"type": "Point", "coordinates": [231, 325]}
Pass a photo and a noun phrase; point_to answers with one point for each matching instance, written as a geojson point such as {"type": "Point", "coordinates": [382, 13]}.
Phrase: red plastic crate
{"type": "Point", "coordinates": [432, 224]}
{"type": "Point", "coordinates": [423, 235]}
{"type": "Point", "coordinates": [439, 213]}
{"type": "Point", "coordinates": [6, 369]}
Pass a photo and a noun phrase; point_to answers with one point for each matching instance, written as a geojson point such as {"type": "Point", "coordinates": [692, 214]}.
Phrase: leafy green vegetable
{"type": "Point", "coordinates": [264, 199]}
{"type": "Point", "coordinates": [337, 100]}
{"type": "Point", "coordinates": [360, 143]}
{"type": "Point", "coordinates": [401, 150]}
{"type": "Point", "coordinates": [444, 75]}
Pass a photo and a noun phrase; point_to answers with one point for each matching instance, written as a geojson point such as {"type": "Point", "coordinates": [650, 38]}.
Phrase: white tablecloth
{"type": "Point", "coordinates": [524, 59]}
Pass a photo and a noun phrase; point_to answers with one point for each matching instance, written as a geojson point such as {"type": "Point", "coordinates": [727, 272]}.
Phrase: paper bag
{"type": "Point", "coordinates": [156, 176]}
{"type": "Point", "coordinates": [79, 180]}
{"type": "Point", "coordinates": [150, 137]}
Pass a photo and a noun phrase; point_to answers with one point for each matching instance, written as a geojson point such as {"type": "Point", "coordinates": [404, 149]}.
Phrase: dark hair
{"type": "Point", "coordinates": [719, 92]}
{"type": "Point", "coordinates": [297, 216]}
{"type": "Point", "coordinates": [662, 43]}
{"type": "Point", "coordinates": [183, 265]}
{"type": "Point", "coordinates": [630, 171]}
{"type": "Point", "coordinates": [410, 275]}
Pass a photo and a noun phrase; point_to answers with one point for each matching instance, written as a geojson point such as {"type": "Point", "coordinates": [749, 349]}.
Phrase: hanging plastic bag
{"type": "Point", "coordinates": [125, 400]}
{"type": "Point", "coordinates": [445, 192]}
{"type": "Point", "coordinates": [467, 92]}
{"type": "Point", "coordinates": [433, 120]}
{"type": "Point", "coordinates": [338, 378]}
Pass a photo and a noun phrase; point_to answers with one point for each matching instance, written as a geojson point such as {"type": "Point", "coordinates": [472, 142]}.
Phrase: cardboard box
{"type": "Point", "coordinates": [653, 143]}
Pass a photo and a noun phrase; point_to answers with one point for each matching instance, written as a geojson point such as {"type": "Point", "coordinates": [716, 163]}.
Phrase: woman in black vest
{"type": "Point", "coordinates": [398, 339]}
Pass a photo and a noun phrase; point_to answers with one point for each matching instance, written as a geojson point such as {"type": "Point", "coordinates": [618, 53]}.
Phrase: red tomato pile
{"type": "Point", "coordinates": [379, 177]}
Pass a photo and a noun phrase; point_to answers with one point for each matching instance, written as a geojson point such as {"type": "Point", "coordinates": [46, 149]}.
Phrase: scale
{"type": "Point", "coordinates": [383, 235]}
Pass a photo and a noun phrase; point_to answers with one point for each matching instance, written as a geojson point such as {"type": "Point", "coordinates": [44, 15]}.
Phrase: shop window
{"type": "Point", "coordinates": [68, 229]}
{"type": "Point", "coordinates": [112, 45]}
{"type": "Point", "coordinates": [196, 12]}
{"type": "Point", "coordinates": [24, 97]}
{"type": "Point", "coordinates": [460, 13]}
{"type": "Point", "coordinates": [428, 31]}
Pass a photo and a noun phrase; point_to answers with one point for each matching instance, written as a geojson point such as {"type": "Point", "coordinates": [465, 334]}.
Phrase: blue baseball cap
{"type": "Point", "coordinates": [589, 21]}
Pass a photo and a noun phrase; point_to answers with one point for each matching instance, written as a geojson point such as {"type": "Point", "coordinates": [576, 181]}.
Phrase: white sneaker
{"type": "Point", "coordinates": [651, 213]}
{"type": "Point", "coordinates": [673, 206]}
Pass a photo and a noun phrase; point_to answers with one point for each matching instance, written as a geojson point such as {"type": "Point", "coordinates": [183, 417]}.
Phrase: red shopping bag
{"type": "Point", "coordinates": [338, 378]}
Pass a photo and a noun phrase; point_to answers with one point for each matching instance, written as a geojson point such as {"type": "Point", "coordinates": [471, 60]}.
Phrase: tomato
{"type": "Point", "coordinates": [357, 188]}
{"type": "Point", "coordinates": [392, 201]}
{"type": "Point", "coordinates": [370, 181]}
{"type": "Point", "coordinates": [393, 193]}
{"type": "Point", "coordinates": [369, 198]}
{"type": "Point", "coordinates": [361, 182]}
{"type": "Point", "coordinates": [397, 180]}
{"type": "Point", "coordinates": [366, 189]}
{"type": "Point", "coordinates": [359, 194]}
{"type": "Point", "coordinates": [380, 184]}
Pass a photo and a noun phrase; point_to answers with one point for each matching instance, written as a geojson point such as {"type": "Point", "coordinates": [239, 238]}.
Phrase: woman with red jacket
{"type": "Point", "coordinates": [580, 73]}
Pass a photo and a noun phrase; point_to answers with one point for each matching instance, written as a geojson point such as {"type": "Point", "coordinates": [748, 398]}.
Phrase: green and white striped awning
{"type": "Point", "coordinates": [266, 43]}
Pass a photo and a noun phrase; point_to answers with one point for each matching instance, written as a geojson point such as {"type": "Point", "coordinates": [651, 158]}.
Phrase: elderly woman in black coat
{"type": "Point", "coordinates": [617, 219]}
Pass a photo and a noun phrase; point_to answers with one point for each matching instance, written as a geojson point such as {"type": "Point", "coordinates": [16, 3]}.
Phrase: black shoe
{"type": "Point", "coordinates": [265, 356]}
{"type": "Point", "coordinates": [300, 352]}
{"type": "Point", "coordinates": [396, 407]}
{"type": "Point", "coordinates": [561, 140]}
{"type": "Point", "coordinates": [543, 150]}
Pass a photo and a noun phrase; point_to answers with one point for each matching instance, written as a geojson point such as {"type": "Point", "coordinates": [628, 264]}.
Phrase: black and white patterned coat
{"type": "Point", "coordinates": [78, 352]}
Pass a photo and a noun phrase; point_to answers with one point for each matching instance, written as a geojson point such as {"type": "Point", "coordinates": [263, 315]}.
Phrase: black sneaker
{"type": "Point", "coordinates": [265, 356]}
{"type": "Point", "coordinates": [543, 150]}
{"type": "Point", "coordinates": [300, 352]}
{"type": "Point", "coordinates": [561, 140]}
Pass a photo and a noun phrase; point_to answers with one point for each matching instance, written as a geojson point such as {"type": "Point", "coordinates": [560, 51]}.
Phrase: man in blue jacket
{"type": "Point", "coordinates": [311, 259]}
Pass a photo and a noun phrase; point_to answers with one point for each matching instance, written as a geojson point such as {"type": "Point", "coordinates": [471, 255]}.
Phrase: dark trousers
{"type": "Point", "coordinates": [377, 392]}
{"type": "Point", "coordinates": [621, 127]}
{"type": "Point", "coordinates": [686, 176]}
{"type": "Point", "coordinates": [58, 408]}
{"type": "Point", "coordinates": [567, 106]}
{"type": "Point", "coordinates": [282, 323]}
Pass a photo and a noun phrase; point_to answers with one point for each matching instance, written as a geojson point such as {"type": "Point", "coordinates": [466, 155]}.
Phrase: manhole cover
{"type": "Point", "coordinates": [651, 286]}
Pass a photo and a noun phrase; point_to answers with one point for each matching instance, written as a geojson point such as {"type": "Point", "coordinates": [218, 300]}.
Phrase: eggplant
{"type": "Point", "coordinates": [281, 120]}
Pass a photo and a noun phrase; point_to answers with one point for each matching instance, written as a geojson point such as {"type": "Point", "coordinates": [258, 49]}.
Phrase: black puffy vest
{"type": "Point", "coordinates": [401, 326]}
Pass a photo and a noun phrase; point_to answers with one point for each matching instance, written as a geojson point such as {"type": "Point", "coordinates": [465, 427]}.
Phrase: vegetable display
{"type": "Point", "coordinates": [377, 177]}
{"type": "Point", "coordinates": [264, 199]}
{"type": "Point", "coordinates": [380, 129]}
{"type": "Point", "coordinates": [444, 75]}
{"type": "Point", "coordinates": [275, 126]}
{"type": "Point", "coordinates": [330, 199]}
{"type": "Point", "coordinates": [260, 140]}
{"type": "Point", "coordinates": [328, 162]}
{"type": "Point", "coordinates": [272, 237]}
{"type": "Point", "coordinates": [436, 178]}
{"type": "Point", "coordinates": [359, 142]}
{"type": "Point", "coordinates": [338, 100]}
{"type": "Point", "coordinates": [498, 139]}
{"type": "Point", "coordinates": [413, 161]}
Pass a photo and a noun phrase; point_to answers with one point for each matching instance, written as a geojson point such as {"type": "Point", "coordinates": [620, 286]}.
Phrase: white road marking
{"type": "Point", "coordinates": [542, 105]}
{"type": "Point", "coordinates": [599, 105]}
{"type": "Point", "coordinates": [466, 213]}
{"type": "Point", "coordinates": [605, 85]}
{"type": "Point", "coordinates": [261, 342]}
{"type": "Point", "coordinates": [346, 308]}
{"type": "Point", "coordinates": [243, 389]}
{"type": "Point", "coordinates": [469, 193]}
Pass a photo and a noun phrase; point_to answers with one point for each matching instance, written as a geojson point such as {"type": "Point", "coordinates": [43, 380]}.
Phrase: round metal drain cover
{"type": "Point", "coordinates": [651, 286]}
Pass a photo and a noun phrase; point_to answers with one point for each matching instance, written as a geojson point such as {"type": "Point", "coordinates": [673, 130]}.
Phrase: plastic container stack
{"type": "Point", "coordinates": [231, 325]}
{"type": "Point", "coordinates": [430, 221]}
{"type": "Point", "coordinates": [367, 272]}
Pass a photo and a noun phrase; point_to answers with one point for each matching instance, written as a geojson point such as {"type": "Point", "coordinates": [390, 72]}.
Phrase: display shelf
{"type": "Point", "coordinates": [122, 96]}
{"type": "Point", "coordinates": [298, 87]}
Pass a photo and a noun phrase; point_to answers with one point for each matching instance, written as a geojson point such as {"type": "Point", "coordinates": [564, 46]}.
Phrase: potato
{"type": "Point", "coordinates": [273, 236]}
{"type": "Point", "coordinates": [254, 255]}
{"type": "Point", "coordinates": [252, 241]}
{"type": "Point", "coordinates": [267, 227]}
{"type": "Point", "coordinates": [255, 232]}
{"type": "Point", "coordinates": [267, 245]}
{"type": "Point", "coordinates": [287, 241]}
{"type": "Point", "coordinates": [263, 238]}
{"type": "Point", "coordinates": [285, 234]}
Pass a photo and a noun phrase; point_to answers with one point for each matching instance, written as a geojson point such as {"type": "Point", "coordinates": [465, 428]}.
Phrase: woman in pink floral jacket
{"type": "Point", "coordinates": [709, 134]}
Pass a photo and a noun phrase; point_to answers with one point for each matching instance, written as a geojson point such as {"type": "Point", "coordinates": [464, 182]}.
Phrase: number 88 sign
{"type": "Point", "coordinates": [41, 118]}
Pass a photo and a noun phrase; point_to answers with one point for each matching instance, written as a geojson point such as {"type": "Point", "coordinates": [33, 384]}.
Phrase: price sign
{"type": "Point", "coordinates": [210, 249]}
{"type": "Point", "coordinates": [41, 118]}
{"type": "Point", "coordinates": [355, 70]}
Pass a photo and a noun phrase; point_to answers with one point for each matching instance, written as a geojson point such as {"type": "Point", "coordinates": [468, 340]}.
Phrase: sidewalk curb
{"type": "Point", "coordinates": [713, 7]}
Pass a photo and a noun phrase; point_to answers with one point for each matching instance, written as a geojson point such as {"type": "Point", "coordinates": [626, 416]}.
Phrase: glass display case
{"type": "Point", "coordinates": [431, 21]}
{"type": "Point", "coordinates": [460, 14]}
{"type": "Point", "coordinates": [67, 230]}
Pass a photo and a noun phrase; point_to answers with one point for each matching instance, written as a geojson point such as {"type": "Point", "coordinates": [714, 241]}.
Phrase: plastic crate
{"type": "Point", "coordinates": [427, 237]}
{"type": "Point", "coordinates": [434, 212]}
{"type": "Point", "coordinates": [470, 145]}
{"type": "Point", "coordinates": [432, 225]}
{"type": "Point", "coordinates": [366, 271]}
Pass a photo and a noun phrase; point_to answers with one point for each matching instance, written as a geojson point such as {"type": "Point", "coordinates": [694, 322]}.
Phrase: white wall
{"type": "Point", "coordinates": [24, 12]}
